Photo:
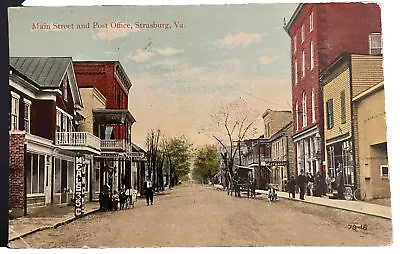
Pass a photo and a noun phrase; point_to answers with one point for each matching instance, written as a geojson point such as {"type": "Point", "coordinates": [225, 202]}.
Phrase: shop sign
{"type": "Point", "coordinates": [80, 175]}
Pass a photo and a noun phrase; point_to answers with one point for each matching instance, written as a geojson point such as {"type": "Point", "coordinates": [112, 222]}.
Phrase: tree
{"type": "Point", "coordinates": [178, 154]}
{"type": "Point", "coordinates": [155, 158]}
{"type": "Point", "coordinates": [205, 164]}
{"type": "Point", "coordinates": [230, 125]}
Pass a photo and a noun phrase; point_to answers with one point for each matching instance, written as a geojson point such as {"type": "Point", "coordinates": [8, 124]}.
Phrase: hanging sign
{"type": "Point", "coordinates": [80, 175]}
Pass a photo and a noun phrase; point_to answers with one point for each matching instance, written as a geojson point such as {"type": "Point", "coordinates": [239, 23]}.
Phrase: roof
{"type": "Point", "coordinates": [369, 91]}
{"type": "Point", "coordinates": [294, 16]}
{"type": "Point", "coordinates": [137, 148]}
{"type": "Point", "coordinates": [46, 72]}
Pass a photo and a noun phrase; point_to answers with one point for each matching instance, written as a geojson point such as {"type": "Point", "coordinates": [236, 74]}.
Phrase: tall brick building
{"type": "Point", "coordinates": [319, 34]}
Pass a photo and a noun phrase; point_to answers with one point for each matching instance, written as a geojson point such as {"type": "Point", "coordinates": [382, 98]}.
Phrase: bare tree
{"type": "Point", "coordinates": [155, 157]}
{"type": "Point", "coordinates": [230, 125]}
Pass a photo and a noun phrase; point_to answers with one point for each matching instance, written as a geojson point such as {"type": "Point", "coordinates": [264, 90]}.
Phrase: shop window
{"type": "Point", "coordinates": [35, 174]}
{"type": "Point", "coordinates": [57, 177]}
{"type": "Point", "coordinates": [384, 171]}
{"type": "Point", "coordinates": [28, 173]}
{"type": "Point", "coordinates": [71, 176]}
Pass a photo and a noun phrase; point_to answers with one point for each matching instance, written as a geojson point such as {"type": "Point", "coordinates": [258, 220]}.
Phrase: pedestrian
{"type": "Point", "coordinates": [148, 186]}
{"type": "Point", "coordinates": [291, 186]}
{"type": "Point", "coordinates": [310, 184]}
{"type": "Point", "coordinates": [122, 199]}
{"type": "Point", "coordinates": [102, 200]}
{"type": "Point", "coordinates": [128, 194]}
{"type": "Point", "coordinates": [340, 184]}
{"type": "Point", "coordinates": [301, 182]}
{"type": "Point", "coordinates": [115, 199]}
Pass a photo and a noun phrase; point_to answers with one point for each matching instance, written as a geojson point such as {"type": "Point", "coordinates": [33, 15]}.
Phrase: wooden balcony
{"type": "Point", "coordinates": [113, 145]}
{"type": "Point", "coordinates": [78, 141]}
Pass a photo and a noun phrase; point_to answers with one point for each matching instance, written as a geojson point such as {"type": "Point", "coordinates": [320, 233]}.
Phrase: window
{"type": "Point", "coordinates": [384, 171]}
{"type": "Point", "coordinates": [302, 33]}
{"type": "Point", "coordinates": [295, 71]}
{"type": "Point", "coordinates": [313, 106]}
{"type": "Point", "coordinates": [294, 43]}
{"type": "Point", "coordinates": [35, 173]}
{"type": "Point", "coordinates": [14, 111]}
{"type": "Point", "coordinates": [375, 44]}
{"type": "Point", "coordinates": [304, 110]}
{"type": "Point", "coordinates": [311, 55]}
{"type": "Point", "coordinates": [268, 130]}
{"type": "Point", "coordinates": [58, 121]}
{"type": "Point", "coordinates": [303, 64]}
{"type": "Point", "coordinates": [297, 116]}
{"type": "Point", "coordinates": [27, 115]}
{"type": "Point", "coordinates": [311, 22]}
{"type": "Point", "coordinates": [343, 106]}
{"type": "Point", "coordinates": [329, 114]}
{"type": "Point", "coordinates": [65, 89]}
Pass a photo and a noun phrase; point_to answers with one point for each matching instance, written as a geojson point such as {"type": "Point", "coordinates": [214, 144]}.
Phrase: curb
{"type": "Point", "coordinates": [330, 206]}
{"type": "Point", "coordinates": [69, 220]}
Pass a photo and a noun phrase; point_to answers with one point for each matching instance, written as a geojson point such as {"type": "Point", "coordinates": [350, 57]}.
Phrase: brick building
{"type": "Point", "coordinates": [319, 33]}
{"type": "Point", "coordinates": [121, 164]}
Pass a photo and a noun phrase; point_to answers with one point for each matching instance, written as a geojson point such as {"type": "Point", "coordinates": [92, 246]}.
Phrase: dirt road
{"type": "Point", "coordinates": [193, 215]}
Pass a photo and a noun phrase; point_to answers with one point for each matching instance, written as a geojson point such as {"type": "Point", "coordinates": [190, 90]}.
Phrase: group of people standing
{"type": "Point", "coordinates": [312, 185]}
{"type": "Point", "coordinates": [109, 200]}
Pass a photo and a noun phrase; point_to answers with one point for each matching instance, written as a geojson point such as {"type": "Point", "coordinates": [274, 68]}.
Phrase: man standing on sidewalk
{"type": "Point", "coordinates": [148, 186]}
{"type": "Point", "coordinates": [301, 182]}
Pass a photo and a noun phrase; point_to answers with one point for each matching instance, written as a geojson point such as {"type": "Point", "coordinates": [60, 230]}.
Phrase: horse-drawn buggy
{"type": "Point", "coordinates": [241, 181]}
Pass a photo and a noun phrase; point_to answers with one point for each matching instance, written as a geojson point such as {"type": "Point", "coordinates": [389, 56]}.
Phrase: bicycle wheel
{"type": "Point", "coordinates": [348, 193]}
{"type": "Point", "coordinates": [359, 194]}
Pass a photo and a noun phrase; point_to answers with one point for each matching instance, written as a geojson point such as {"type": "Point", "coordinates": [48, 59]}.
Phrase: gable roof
{"type": "Point", "coordinates": [48, 72]}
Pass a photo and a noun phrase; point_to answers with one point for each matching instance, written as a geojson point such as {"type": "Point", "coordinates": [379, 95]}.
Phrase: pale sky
{"type": "Point", "coordinates": [222, 53]}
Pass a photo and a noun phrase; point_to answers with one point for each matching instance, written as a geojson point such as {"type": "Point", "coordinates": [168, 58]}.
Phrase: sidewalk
{"type": "Point", "coordinates": [353, 206]}
{"type": "Point", "coordinates": [40, 218]}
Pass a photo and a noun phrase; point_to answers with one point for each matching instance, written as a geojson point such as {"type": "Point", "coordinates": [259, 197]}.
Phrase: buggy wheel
{"type": "Point", "coordinates": [359, 194]}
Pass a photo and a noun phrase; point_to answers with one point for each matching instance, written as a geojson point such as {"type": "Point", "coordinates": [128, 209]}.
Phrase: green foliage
{"type": "Point", "coordinates": [205, 163]}
{"type": "Point", "coordinates": [178, 152]}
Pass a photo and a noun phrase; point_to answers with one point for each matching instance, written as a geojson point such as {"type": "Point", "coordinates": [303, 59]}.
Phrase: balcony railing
{"type": "Point", "coordinates": [77, 139]}
{"type": "Point", "coordinates": [112, 144]}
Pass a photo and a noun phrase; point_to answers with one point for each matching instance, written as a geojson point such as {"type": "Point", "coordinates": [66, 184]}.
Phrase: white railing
{"type": "Point", "coordinates": [112, 144]}
{"type": "Point", "coordinates": [77, 139]}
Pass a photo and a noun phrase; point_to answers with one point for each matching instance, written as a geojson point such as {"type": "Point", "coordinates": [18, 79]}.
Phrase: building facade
{"type": "Point", "coordinates": [278, 131]}
{"type": "Point", "coordinates": [112, 121]}
{"type": "Point", "coordinates": [343, 80]}
{"type": "Point", "coordinates": [319, 34]}
{"type": "Point", "coordinates": [371, 142]}
{"type": "Point", "coordinates": [44, 141]}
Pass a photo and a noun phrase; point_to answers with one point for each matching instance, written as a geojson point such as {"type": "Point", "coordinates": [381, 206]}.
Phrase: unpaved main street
{"type": "Point", "coordinates": [193, 215]}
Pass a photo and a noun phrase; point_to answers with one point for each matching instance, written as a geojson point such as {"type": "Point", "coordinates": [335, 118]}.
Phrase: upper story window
{"type": "Point", "coordinates": [384, 171]}
{"type": "Point", "coordinates": [303, 64]}
{"type": "Point", "coordinates": [27, 115]}
{"type": "Point", "coordinates": [294, 43]}
{"type": "Point", "coordinates": [302, 33]}
{"type": "Point", "coordinates": [14, 116]}
{"type": "Point", "coordinates": [65, 89]}
{"type": "Point", "coordinates": [311, 22]}
{"type": "Point", "coordinates": [375, 44]}
{"type": "Point", "coordinates": [329, 114]}
{"type": "Point", "coordinates": [304, 110]}
{"type": "Point", "coordinates": [313, 106]}
{"type": "Point", "coordinates": [63, 121]}
{"type": "Point", "coordinates": [311, 55]}
{"type": "Point", "coordinates": [343, 106]}
{"type": "Point", "coordinates": [295, 72]}
{"type": "Point", "coordinates": [297, 116]}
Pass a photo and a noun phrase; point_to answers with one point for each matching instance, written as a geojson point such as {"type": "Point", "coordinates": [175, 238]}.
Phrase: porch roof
{"type": "Point", "coordinates": [113, 116]}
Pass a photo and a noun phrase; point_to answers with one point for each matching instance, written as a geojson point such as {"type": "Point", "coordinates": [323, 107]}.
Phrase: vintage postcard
{"type": "Point", "coordinates": [198, 126]}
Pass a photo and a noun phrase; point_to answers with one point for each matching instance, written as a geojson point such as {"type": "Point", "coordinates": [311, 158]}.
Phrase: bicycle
{"type": "Point", "coordinates": [359, 194]}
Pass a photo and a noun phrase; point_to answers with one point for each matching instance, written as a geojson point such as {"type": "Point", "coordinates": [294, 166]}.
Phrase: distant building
{"type": "Point", "coordinates": [321, 32]}
{"type": "Point", "coordinates": [278, 132]}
